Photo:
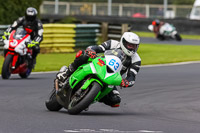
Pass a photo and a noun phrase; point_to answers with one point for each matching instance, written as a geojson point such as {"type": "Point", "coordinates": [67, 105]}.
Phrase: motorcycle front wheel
{"type": "Point", "coordinates": [6, 69]}
{"type": "Point", "coordinates": [81, 99]}
{"type": "Point", "coordinates": [178, 37]}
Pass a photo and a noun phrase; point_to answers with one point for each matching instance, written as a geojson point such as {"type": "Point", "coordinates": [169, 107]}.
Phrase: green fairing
{"type": "Point", "coordinates": [103, 93]}
{"type": "Point", "coordinates": [115, 79]}
{"type": "Point", "coordinates": [88, 82]}
{"type": "Point", "coordinates": [80, 74]}
{"type": "Point", "coordinates": [86, 70]}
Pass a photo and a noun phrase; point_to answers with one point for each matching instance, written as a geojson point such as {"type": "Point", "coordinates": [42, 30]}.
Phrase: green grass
{"type": "Point", "coordinates": [149, 53]}
{"type": "Point", "coordinates": [144, 34]}
{"type": "Point", "coordinates": [161, 54]}
{"type": "Point", "coordinates": [151, 34]}
{"type": "Point", "coordinates": [52, 62]}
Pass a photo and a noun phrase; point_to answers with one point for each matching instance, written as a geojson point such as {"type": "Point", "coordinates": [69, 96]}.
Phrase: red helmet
{"type": "Point", "coordinates": [156, 22]}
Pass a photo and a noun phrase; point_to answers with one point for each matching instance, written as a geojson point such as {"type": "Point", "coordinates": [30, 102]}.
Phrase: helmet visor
{"type": "Point", "coordinates": [130, 46]}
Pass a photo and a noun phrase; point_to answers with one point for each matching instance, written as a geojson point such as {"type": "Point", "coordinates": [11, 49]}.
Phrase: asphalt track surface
{"type": "Point", "coordinates": [165, 99]}
{"type": "Point", "coordinates": [156, 41]}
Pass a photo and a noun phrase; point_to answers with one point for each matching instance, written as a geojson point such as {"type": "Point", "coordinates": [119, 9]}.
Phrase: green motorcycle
{"type": "Point", "coordinates": [88, 84]}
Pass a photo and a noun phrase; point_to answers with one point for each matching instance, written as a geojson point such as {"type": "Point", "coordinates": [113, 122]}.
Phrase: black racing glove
{"type": "Point", "coordinates": [124, 83]}
{"type": "Point", "coordinates": [90, 53]}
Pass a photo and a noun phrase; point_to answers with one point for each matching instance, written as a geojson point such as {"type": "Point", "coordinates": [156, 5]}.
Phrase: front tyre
{"type": "Point", "coordinates": [84, 99]}
{"type": "Point", "coordinates": [6, 69]}
{"type": "Point", "coordinates": [161, 37]}
{"type": "Point", "coordinates": [52, 104]}
{"type": "Point", "coordinates": [178, 37]}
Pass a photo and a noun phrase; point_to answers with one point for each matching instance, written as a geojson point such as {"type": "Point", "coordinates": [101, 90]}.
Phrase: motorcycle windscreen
{"type": "Point", "coordinates": [114, 63]}
{"type": "Point", "coordinates": [109, 72]}
{"type": "Point", "coordinates": [19, 34]}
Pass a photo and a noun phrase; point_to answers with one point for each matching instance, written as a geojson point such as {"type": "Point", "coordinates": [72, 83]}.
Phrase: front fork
{"type": "Point", "coordinates": [14, 60]}
{"type": "Point", "coordinates": [174, 33]}
{"type": "Point", "coordinates": [104, 92]}
{"type": "Point", "coordinates": [63, 94]}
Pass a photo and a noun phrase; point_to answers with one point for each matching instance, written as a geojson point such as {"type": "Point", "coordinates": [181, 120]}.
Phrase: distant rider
{"type": "Point", "coordinates": [33, 26]}
{"type": "Point", "coordinates": [129, 44]}
{"type": "Point", "coordinates": [157, 24]}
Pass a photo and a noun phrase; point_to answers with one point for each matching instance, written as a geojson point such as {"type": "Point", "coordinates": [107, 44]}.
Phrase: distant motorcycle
{"type": "Point", "coordinates": [167, 31]}
{"type": "Point", "coordinates": [18, 56]}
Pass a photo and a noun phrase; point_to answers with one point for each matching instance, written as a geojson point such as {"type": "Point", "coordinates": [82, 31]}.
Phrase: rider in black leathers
{"type": "Point", "coordinates": [32, 25]}
{"type": "Point", "coordinates": [129, 44]}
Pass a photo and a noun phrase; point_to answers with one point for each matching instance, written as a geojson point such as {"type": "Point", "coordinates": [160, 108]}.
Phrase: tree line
{"type": "Point", "coordinates": [10, 10]}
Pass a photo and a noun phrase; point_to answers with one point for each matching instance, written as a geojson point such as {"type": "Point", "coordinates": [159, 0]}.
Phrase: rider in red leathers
{"type": "Point", "coordinates": [156, 28]}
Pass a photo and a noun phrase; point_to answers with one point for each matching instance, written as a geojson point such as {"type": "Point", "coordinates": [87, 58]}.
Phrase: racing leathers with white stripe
{"type": "Point", "coordinates": [131, 65]}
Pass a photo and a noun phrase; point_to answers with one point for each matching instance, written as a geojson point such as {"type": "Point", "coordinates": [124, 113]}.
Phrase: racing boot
{"type": "Point", "coordinates": [30, 62]}
{"type": "Point", "coordinates": [63, 74]}
{"type": "Point", "coordinates": [112, 99]}
{"type": "Point", "coordinates": [34, 62]}
{"type": "Point", "coordinates": [116, 98]}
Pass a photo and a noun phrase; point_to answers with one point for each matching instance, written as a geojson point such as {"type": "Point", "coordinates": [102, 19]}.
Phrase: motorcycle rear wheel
{"type": "Point", "coordinates": [52, 104]}
{"type": "Point", "coordinates": [6, 69]}
{"type": "Point", "coordinates": [80, 103]}
{"type": "Point", "coordinates": [26, 74]}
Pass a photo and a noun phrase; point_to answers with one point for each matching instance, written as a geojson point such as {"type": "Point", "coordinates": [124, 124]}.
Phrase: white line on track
{"type": "Point", "coordinates": [172, 64]}
{"type": "Point", "coordinates": [44, 72]}
{"type": "Point", "coordinates": [108, 131]}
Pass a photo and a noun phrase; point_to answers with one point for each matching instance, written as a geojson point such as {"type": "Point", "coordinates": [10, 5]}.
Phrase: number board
{"type": "Point", "coordinates": [114, 63]}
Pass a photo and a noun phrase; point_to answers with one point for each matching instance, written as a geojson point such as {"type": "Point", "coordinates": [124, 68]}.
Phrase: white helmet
{"type": "Point", "coordinates": [129, 43]}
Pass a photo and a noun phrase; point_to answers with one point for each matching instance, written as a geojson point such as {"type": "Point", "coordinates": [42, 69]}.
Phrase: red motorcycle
{"type": "Point", "coordinates": [18, 57]}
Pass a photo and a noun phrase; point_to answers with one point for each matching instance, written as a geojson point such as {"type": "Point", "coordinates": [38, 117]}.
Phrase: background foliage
{"type": "Point", "coordinates": [10, 10]}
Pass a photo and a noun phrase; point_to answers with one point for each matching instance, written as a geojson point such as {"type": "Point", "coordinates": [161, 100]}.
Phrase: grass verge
{"type": "Point", "coordinates": [149, 53]}
{"type": "Point", "coordinates": [162, 54]}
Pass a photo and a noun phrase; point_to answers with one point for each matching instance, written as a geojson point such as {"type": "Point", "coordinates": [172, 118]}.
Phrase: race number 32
{"type": "Point", "coordinates": [114, 64]}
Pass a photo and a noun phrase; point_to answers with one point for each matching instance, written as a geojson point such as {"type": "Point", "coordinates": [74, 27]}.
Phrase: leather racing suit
{"type": "Point", "coordinates": [131, 66]}
{"type": "Point", "coordinates": [36, 31]}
